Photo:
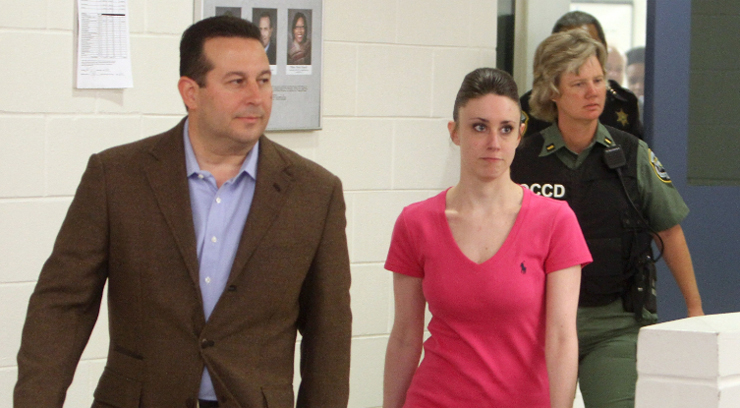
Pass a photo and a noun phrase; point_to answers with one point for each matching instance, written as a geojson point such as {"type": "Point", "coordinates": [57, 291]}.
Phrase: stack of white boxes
{"type": "Point", "coordinates": [690, 363]}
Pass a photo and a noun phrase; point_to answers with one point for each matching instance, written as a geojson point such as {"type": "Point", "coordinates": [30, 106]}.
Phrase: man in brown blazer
{"type": "Point", "coordinates": [217, 246]}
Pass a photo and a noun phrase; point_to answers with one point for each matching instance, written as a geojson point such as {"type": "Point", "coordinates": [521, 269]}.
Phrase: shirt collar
{"type": "Point", "coordinates": [249, 166]}
{"type": "Point", "coordinates": [553, 139]}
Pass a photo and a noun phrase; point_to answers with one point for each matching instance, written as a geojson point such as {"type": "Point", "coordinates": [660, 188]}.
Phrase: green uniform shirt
{"type": "Point", "coordinates": [660, 200]}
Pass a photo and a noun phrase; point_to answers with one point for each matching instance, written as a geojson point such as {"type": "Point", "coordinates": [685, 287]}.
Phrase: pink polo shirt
{"type": "Point", "coordinates": [487, 343]}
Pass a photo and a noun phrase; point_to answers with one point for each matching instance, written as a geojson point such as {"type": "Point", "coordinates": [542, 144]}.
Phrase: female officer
{"type": "Point", "coordinates": [622, 197]}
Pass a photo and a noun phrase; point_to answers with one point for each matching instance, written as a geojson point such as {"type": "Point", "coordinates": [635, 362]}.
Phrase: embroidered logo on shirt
{"type": "Point", "coordinates": [659, 169]}
{"type": "Point", "coordinates": [524, 268]}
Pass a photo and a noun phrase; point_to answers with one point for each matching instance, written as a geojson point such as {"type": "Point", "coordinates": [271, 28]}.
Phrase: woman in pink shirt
{"type": "Point", "coordinates": [499, 268]}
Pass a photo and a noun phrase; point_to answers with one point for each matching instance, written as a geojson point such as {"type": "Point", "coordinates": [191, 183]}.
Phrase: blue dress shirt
{"type": "Point", "coordinates": [219, 215]}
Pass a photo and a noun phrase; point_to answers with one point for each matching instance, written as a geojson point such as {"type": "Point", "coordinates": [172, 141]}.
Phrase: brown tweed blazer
{"type": "Point", "coordinates": [130, 225]}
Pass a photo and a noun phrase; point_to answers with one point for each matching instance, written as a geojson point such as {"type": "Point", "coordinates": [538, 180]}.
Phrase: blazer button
{"type": "Point", "coordinates": [205, 343]}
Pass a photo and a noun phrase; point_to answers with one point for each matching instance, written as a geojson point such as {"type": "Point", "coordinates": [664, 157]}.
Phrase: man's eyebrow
{"type": "Point", "coordinates": [244, 74]}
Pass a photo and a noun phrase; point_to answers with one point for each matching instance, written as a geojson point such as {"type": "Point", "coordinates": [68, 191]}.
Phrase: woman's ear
{"type": "Point", "coordinates": [452, 128]}
{"type": "Point", "coordinates": [522, 128]}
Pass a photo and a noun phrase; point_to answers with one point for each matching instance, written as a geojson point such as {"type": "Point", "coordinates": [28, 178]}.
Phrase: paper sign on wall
{"type": "Point", "coordinates": [103, 44]}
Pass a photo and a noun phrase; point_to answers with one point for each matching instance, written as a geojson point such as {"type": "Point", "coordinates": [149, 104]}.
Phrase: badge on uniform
{"type": "Point", "coordinates": [658, 168]}
{"type": "Point", "coordinates": [622, 117]}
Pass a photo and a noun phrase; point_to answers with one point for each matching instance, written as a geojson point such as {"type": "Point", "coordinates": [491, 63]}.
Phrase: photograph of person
{"type": "Point", "coordinates": [299, 38]}
{"type": "Point", "coordinates": [499, 268]}
{"type": "Point", "coordinates": [266, 20]}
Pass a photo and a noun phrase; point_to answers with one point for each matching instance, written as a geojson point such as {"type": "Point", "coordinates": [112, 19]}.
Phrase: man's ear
{"type": "Point", "coordinates": [188, 89]}
{"type": "Point", "coordinates": [452, 128]}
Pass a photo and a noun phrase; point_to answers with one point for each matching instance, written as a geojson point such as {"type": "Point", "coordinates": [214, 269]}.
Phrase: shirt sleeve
{"type": "Point", "coordinates": [403, 255]}
{"type": "Point", "coordinates": [567, 245]}
{"type": "Point", "coordinates": [662, 204]}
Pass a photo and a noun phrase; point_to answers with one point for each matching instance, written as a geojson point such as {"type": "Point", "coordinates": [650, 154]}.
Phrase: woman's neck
{"type": "Point", "coordinates": [477, 194]}
{"type": "Point", "coordinates": [576, 134]}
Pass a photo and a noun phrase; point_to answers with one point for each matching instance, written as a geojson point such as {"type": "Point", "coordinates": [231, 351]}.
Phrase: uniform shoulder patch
{"type": "Point", "coordinates": [658, 168]}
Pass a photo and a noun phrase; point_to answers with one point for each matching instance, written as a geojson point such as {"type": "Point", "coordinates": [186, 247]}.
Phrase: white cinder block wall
{"type": "Point", "coordinates": [392, 68]}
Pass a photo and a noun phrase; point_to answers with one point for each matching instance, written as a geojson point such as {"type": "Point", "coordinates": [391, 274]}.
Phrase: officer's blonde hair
{"type": "Point", "coordinates": [558, 54]}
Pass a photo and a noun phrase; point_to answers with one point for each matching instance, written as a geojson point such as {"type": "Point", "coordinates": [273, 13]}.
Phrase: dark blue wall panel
{"type": "Point", "coordinates": [713, 227]}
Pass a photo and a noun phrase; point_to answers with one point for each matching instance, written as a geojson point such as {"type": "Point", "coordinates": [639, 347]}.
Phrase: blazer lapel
{"type": "Point", "coordinates": [273, 185]}
{"type": "Point", "coordinates": [168, 178]}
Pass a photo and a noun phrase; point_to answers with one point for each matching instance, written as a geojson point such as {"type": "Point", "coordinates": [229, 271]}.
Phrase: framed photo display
{"type": "Point", "coordinates": [291, 32]}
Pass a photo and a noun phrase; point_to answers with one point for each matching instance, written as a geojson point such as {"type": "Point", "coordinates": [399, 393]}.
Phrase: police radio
{"type": "Point", "coordinates": [614, 159]}
{"type": "Point", "coordinates": [642, 291]}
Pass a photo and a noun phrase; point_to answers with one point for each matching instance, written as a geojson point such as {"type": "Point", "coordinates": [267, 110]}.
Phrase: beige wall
{"type": "Point", "coordinates": [391, 70]}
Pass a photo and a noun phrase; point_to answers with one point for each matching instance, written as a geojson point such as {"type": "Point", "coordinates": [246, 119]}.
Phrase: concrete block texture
{"type": "Point", "coordinates": [396, 81]}
{"type": "Point", "coordinates": [155, 70]}
{"type": "Point", "coordinates": [302, 142]}
{"type": "Point", "coordinates": [435, 22]}
{"type": "Point", "coordinates": [85, 381]}
{"type": "Point", "coordinates": [15, 303]}
{"type": "Point", "coordinates": [24, 14]}
{"type": "Point", "coordinates": [373, 219]}
{"type": "Point", "coordinates": [339, 97]}
{"type": "Point", "coordinates": [450, 67]}
{"type": "Point", "coordinates": [60, 15]}
{"type": "Point", "coordinates": [137, 16]}
{"type": "Point", "coordinates": [366, 372]}
{"type": "Point", "coordinates": [483, 25]}
{"type": "Point", "coordinates": [344, 141]}
{"type": "Point", "coordinates": [730, 394]}
{"type": "Point", "coordinates": [23, 142]}
{"type": "Point", "coordinates": [8, 377]}
{"type": "Point", "coordinates": [424, 155]}
{"type": "Point", "coordinates": [361, 21]}
{"type": "Point", "coordinates": [37, 74]}
{"type": "Point", "coordinates": [29, 230]}
{"type": "Point", "coordinates": [168, 16]}
{"type": "Point", "coordinates": [371, 293]}
{"type": "Point", "coordinates": [153, 125]}
{"type": "Point", "coordinates": [71, 141]}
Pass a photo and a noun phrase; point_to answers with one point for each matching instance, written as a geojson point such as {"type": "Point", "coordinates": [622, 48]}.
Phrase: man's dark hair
{"type": "Point", "coordinates": [265, 14]}
{"type": "Point", "coordinates": [576, 19]}
{"type": "Point", "coordinates": [193, 62]}
{"type": "Point", "coordinates": [636, 55]}
{"type": "Point", "coordinates": [484, 81]}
